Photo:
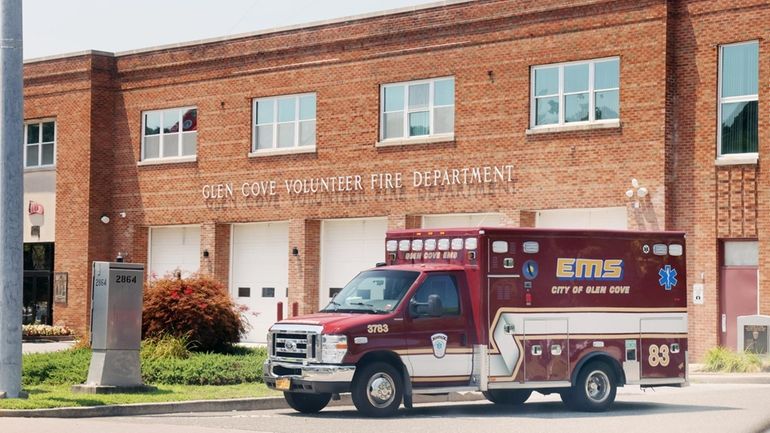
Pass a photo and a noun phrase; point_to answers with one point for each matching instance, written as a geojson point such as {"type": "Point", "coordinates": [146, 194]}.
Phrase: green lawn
{"type": "Point", "coordinates": [49, 396]}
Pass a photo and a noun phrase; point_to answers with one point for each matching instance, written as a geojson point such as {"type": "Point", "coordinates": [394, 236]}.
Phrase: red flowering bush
{"type": "Point", "coordinates": [196, 308]}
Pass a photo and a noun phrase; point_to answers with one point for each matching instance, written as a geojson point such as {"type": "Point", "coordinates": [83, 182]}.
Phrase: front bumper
{"type": "Point", "coordinates": [311, 378]}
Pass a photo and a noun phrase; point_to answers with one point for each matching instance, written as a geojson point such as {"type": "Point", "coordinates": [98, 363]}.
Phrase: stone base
{"type": "Point", "coordinates": [105, 389]}
{"type": "Point", "coordinates": [23, 395]}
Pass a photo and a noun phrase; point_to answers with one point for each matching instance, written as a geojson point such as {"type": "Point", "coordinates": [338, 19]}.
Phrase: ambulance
{"type": "Point", "coordinates": [503, 311]}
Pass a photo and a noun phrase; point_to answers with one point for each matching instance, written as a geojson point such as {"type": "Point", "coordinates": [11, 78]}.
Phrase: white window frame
{"type": "Point", "coordinates": [748, 157]}
{"type": "Point", "coordinates": [561, 95]}
{"type": "Point", "coordinates": [179, 157]}
{"type": "Point", "coordinates": [274, 149]}
{"type": "Point", "coordinates": [430, 108]}
{"type": "Point", "coordinates": [39, 144]}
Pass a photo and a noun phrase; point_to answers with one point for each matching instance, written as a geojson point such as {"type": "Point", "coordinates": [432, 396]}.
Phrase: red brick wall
{"type": "Point", "coordinates": [666, 140]}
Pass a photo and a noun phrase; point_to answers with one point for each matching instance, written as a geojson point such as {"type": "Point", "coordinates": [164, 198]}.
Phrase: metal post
{"type": "Point", "coordinates": [11, 196]}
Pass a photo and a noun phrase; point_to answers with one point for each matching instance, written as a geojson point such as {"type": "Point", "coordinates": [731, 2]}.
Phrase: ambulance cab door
{"type": "Point", "coordinates": [439, 343]}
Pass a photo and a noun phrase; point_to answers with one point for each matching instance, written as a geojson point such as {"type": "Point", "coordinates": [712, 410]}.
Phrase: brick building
{"type": "Point", "coordinates": [277, 160]}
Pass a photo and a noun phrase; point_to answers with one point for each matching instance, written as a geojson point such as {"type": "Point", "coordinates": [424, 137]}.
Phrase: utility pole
{"type": "Point", "coordinates": [11, 196]}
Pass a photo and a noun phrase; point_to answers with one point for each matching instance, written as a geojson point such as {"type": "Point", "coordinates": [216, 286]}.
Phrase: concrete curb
{"type": "Point", "coordinates": [731, 378]}
{"type": "Point", "coordinates": [242, 404]}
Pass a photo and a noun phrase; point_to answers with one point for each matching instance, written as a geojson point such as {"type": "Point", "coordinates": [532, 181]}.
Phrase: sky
{"type": "Point", "coordinates": [53, 27]}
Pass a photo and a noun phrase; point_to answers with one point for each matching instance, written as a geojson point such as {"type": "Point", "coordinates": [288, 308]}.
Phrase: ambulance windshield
{"type": "Point", "coordinates": [375, 291]}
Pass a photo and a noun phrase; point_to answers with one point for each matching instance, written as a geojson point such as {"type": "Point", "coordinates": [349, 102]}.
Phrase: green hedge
{"type": "Point", "coordinates": [71, 367]}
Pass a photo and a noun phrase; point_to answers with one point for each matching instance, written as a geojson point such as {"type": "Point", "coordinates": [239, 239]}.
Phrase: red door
{"type": "Point", "coordinates": [738, 297]}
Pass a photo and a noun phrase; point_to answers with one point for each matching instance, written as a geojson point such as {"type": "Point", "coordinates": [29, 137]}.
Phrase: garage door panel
{"type": "Point", "coordinates": [462, 220]}
{"type": "Point", "coordinates": [173, 248]}
{"type": "Point", "coordinates": [260, 258]}
{"type": "Point", "coordinates": [347, 248]}
{"type": "Point", "coordinates": [612, 218]}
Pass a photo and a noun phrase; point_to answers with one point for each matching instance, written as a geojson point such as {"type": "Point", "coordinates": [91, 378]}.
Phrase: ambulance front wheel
{"type": "Point", "coordinates": [307, 403]}
{"type": "Point", "coordinates": [507, 396]}
{"type": "Point", "coordinates": [377, 389]}
{"type": "Point", "coordinates": [594, 390]}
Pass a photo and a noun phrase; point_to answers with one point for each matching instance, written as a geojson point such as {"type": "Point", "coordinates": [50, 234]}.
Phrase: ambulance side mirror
{"type": "Point", "coordinates": [435, 308]}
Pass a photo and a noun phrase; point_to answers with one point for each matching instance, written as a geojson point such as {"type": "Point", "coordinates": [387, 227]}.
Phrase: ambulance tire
{"type": "Point", "coordinates": [511, 397]}
{"type": "Point", "coordinates": [377, 390]}
{"type": "Point", "coordinates": [307, 403]}
{"type": "Point", "coordinates": [594, 390]}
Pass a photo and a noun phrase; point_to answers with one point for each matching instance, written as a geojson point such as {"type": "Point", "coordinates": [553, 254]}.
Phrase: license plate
{"type": "Point", "coordinates": [283, 384]}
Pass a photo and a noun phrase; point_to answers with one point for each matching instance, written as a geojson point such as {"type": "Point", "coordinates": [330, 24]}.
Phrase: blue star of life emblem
{"type": "Point", "coordinates": [667, 277]}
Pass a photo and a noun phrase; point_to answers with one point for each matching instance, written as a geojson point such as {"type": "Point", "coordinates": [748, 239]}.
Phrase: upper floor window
{"type": "Point", "coordinates": [170, 133]}
{"type": "Point", "coordinates": [417, 108]}
{"type": "Point", "coordinates": [40, 144]}
{"type": "Point", "coordinates": [738, 98]}
{"type": "Point", "coordinates": [587, 91]}
{"type": "Point", "coordinates": [284, 122]}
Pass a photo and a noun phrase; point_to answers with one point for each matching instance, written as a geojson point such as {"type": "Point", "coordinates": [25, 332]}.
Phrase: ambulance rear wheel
{"type": "Point", "coordinates": [594, 390]}
{"type": "Point", "coordinates": [307, 403]}
{"type": "Point", "coordinates": [377, 390]}
{"type": "Point", "coordinates": [507, 396]}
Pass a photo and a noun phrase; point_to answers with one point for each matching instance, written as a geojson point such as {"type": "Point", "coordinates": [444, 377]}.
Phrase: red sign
{"type": "Point", "coordinates": [35, 208]}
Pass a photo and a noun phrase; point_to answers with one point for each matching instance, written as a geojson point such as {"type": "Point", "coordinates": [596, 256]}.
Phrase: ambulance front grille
{"type": "Point", "coordinates": [294, 346]}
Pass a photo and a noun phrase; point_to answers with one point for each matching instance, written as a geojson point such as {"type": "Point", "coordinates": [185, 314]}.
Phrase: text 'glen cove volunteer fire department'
{"type": "Point", "coordinates": [505, 311]}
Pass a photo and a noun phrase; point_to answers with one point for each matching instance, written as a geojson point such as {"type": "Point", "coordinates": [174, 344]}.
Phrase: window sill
{"type": "Point", "coordinates": [443, 138]}
{"type": "Point", "coordinates": [163, 161]}
{"type": "Point", "coordinates": [37, 169]}
{"type": "Point", "coordinates": [739, 159]}
{"type": "Point", "coordinates": [580, 127]}
{"type": "Point", "coordinates": [282, 151]}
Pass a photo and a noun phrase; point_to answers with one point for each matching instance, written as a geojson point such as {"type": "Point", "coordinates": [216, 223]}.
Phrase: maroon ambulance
{"type": "Point", "coordinates": [504, 311]}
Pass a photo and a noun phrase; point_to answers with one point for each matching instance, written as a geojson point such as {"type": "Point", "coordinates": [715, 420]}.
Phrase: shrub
{"type": "Point", "coordinates": [722, 359]}
{"type": "Point", "coordinates": [56, 368]}
{"type": "Point", "coordinates": [196, 308]}
{"type": "Point", "coordinates": [204, 369]}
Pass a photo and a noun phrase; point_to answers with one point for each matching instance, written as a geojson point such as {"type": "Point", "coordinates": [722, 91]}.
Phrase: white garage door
{"type": "Point", "coordinates": [347, 248]}
{"type": "Point", "coordinates": [174, 248]}
{"type": "Point", "coordinates": [613, 218]}
{"type": "Point", "coordinates": [260, 273]}
{"type": "Point", "coordinates": [462, 220]}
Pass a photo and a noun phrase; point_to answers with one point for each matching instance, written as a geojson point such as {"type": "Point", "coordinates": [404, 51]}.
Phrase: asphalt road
{"type": "Point", "coordinates": [696, 409]}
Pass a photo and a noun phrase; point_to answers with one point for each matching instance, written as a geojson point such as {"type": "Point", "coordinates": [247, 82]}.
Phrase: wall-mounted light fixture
{"type": "Point", "coordinates": [205, 253]}
{"type": "Point", "coordinates": [295, 251]}
{"type": "Point", "coordinates": [639, 191]}
{"type": "Point", "coordinates": [122, 214]}
{"type": "Point", "coordinates": [105, 219]}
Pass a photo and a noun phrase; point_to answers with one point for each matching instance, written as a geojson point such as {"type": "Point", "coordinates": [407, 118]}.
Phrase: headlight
{"type": "Point", "coordinates": [333, 348]}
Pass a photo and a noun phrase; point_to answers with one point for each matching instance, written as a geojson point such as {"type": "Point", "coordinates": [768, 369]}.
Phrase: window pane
{"type": "Point", "coordinates": [739, 127]}
{"type": "Point", "coordinates": [307, 133]}
{"type": "Point", "coordinates": [171, 145]}
{"type": "Point", "coordinates": [33, 133]}
{"type": "Point", "coordinates": [190, 120]}
{"type": "Point", "coordinates": [48, 132]}
{"type": "Point", "coordinates": [152, 147]}
{"type": "Point", "coordinates": [418, 95]}
{"type": "Point", "coordinates": [265, 137]}
{"type": "Point", "coordinates": [740, 69]}
{"type": "Point", "coordinates": [286, 109]}
{"type": "Point", "coordinates": [286, 135]}
{"type": "Point", "coordinates": [546, 81]}
{"type": "Point", "coordinates": [307, 107]}
{"type": "Point", "coordinates": [189, 143]}
{"type": "Point", "coordinates": [32, 155]}
{"type": "Point", "coordinates": [47, 157]}
{"type": "Point", "coordinates": [576, 107]}
{"type": "Point", "coordinates": [443, 120]}
{"type": "Point", "coordinates": [607, 75]}
{"type": "Point", "coordinates": [394, 98]}
{"type": "Point", "coordinates": [418, 123]}
{"type": "Point", "coordinates": [444, 92]}
{"type": "Point", "coordinates": [445, 287]}
{"type": "Point", "coordinates": [576, 78]}
{"type": "Point", "coordinates": [394, 125]}
{"type": "Point", "coordinates": [265, 111]}
{"type": "Point", "coordinates": [152, 123]}
{"type": "Point", "coordinates": [546, 110]}
{"type": "Point", "coordinates": [170, 121]}
{"type": "Point", "coordinates": [607, 105]}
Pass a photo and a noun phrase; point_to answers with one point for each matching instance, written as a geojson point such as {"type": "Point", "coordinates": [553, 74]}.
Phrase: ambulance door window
{"type": "Point", "coordinates": [445, 286]}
